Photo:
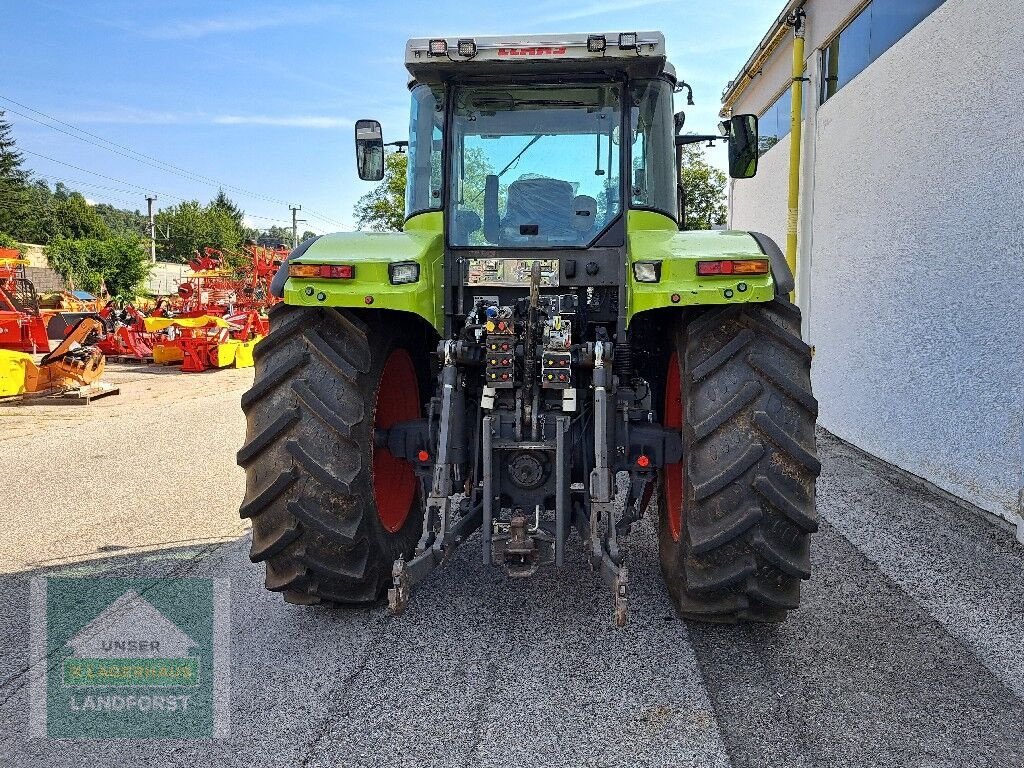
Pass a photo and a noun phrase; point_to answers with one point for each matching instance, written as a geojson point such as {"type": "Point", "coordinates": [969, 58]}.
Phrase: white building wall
{"type": "Point", "coordinates": [916, 241]}
{"type": "Point", "coordinates": [759, 204]}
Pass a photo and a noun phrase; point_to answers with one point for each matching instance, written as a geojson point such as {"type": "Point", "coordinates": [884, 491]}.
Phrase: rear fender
{"type": "Point", "coordinates": [654, 237]}
{"type": "Point", "coordinates": [371, 254]}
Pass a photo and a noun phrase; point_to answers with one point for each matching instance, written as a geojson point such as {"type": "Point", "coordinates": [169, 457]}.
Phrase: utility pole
{"type": "Point", "coordinates": [152, 229]}
{"type": "Point", "coordinates": [295, 224]}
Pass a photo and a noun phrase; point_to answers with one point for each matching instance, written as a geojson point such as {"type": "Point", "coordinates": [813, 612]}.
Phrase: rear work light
{"type": "Point", "coordinates": [404, 272]}
{"type": "Point", "coordinates": [467, 49]}
{"type": "Point", "coordinates": [596, 43]}
{"type": "Point", "coordinates": [329, 271]}
{"type": "Point", "coordinates": [438, 48]}
{"type": "Point", "coordinates": [733, 267]}
{"type": "Point", "coordinates": [628, 41]}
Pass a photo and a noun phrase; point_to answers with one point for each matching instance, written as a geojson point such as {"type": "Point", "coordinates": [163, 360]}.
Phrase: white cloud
{"type": "Point", "coordinates": [119, 115]}
{"type": "Point", "coordinates": [596, 9]}
{"type": "Point", "coordinates": [243, 22]}
{"type": "Point", "coordinates": [128, 116]}
{"type": "Point", "coordinates": [290, 121]}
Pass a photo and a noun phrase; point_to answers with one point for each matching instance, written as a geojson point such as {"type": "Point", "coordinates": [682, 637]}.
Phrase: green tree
{"type": "Point", "coordinates": [383, 208]}
{"type": "Point", "coordinates": [121, 221]}
{"type": "Point", "coordinates": [704, 187]}
{"type": "Point", "coordinates": [307, 234]}
{"type": "Point", "coordinates": [223, 231]}
{"type": "Point", "coordinates": [15, 203]}
{"type": "Point", "coordinates": [35, 222]}
{"type": "Point", "coordinates": [476, 169]}
{"type": "Point", "coordinates": [224, 203]}
{"type": "Point", "coordinates": [72, 217]}
{"type": "Point", "coordinates": [6, 241]}
{"type": "Point", "coordinates": [184, 229]}
{"type": "Point", "coordinates": [275, 236]}
{"type": "Point", "coordinates": [120, 262]}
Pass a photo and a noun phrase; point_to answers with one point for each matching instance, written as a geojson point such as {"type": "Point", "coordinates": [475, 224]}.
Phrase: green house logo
{"type": "Point", "coordinates": [131, 644]}
{"type": "Point", "coordinates": [130, 658]}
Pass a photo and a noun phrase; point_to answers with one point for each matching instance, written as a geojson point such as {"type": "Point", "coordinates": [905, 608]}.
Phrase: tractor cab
{"type": "Point", "coordinates": [541, 147]}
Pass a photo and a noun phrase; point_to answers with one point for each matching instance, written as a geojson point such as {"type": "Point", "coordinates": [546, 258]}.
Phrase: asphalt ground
{"type": "Point", "coordinates": [908, 650]}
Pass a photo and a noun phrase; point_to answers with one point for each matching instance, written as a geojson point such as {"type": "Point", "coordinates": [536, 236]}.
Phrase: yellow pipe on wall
{"type": "Point", "coordinates": [795, 142]}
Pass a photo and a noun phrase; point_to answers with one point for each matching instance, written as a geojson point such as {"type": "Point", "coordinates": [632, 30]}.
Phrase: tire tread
{"type": "Point", "coordinates": [751, 465]}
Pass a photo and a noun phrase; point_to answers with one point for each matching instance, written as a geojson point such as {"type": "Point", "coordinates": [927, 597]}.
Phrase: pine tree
{"type": "Point", "coordinates": [225, 203]}
{"type": "Point", "coordinates": [15, 202]}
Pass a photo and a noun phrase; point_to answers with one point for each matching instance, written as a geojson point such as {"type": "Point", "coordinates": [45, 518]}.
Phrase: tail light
{"type": "Point", "coordinates": [733, 267]}
{"type": "Point", "coordinates": [328, 271]}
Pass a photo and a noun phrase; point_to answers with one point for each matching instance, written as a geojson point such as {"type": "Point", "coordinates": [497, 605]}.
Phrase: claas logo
{"type": "Point", "coordinates": [560, 51]}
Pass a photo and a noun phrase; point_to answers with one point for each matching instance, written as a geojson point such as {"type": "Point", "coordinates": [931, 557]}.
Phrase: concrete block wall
{"type": "Point", "coordinates": [164, 278]}
{"type": "Point", "coordinates": [45, 279]}
{"type": "Point", "coordinates": [913, 245]}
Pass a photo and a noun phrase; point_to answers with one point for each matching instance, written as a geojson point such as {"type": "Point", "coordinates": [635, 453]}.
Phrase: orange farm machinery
{"type": "Point", "coordinates": [229, 283]}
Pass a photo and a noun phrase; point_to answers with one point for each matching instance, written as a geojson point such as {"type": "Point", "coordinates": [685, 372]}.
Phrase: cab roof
{"type": "Point", "coordinates": [444, 59]}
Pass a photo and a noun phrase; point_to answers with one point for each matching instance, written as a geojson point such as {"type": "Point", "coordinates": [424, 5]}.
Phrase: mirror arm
{"type": "Point", "coordinates": [691, 139]}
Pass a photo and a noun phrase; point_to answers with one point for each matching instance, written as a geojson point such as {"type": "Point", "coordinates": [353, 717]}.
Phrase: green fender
{"type": "Point", "coordinates": [655, 237]}
{"type": "Point", "coordinates": [371, 253]}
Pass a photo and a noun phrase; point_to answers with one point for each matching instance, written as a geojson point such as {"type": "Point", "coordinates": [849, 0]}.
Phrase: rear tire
{"type": "Point", "coordinates": [310, 462]}
{"type": "Point", "coordinates": [736, 516]}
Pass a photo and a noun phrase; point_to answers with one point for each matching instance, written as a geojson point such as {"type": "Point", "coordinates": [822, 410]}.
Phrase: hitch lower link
{"type": "Point", "coordinates": [441, 533]}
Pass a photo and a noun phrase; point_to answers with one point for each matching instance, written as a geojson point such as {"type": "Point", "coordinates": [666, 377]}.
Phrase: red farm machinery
{"type": "Point", "coordinates": [22, 327]}
{"type": "Point", "coordinates": [219, 312]}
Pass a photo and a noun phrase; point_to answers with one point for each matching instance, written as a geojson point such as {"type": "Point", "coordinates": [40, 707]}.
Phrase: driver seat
{"type": "Point", "coordinates": [544, 203]}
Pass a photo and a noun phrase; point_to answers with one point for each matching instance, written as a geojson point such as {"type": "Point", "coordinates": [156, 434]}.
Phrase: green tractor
{"type": "Point", "coordinates": [540, 350]}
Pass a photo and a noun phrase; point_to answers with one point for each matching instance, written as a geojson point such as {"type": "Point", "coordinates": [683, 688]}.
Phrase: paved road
{"type": "Point", "coordinates": [907, 652]}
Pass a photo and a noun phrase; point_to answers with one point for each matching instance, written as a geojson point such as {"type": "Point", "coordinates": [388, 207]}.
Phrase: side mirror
{"type": "Point", "coordinates": [743, 151]}
{"type": "Point", "coordinates": [369, 150]}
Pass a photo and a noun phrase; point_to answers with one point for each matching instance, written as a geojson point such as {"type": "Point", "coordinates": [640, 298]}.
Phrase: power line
{"type": "Point", "coordinates": [93, 173]}
{"type": "Point", "coordinates": [323, 218]}
{"type": "Point", "coordinates": [135, 155]}
{"type": "Point", "coordinates": [79, 182]}
{"type": "Point", "coordinates": [143, 158]}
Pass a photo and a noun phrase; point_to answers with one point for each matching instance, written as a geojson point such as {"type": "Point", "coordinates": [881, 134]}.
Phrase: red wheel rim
{"type": "Point", "coordinates": [674, 474]}
{"type": "Point", "coordinates": [398, 399]}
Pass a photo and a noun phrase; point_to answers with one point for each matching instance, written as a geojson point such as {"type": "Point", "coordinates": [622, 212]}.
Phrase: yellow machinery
{"type": "Point", "coordinates": [75, 362]}
{"type": "Point", "coordinates": [204, 342]}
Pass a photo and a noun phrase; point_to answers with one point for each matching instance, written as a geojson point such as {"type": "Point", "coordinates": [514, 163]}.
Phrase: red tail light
{"type": "Point", "coordinates": [339, 272]}
{"type": "Point", "coordinates": [332, 271]}
{"type": "Point", "coordinates": [733, 267]}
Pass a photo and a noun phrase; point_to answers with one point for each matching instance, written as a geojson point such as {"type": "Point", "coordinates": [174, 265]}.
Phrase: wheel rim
{"type": "Point", "coordinates": [398, 399]}
{"type": "Point", "coordinates": [674, 474]}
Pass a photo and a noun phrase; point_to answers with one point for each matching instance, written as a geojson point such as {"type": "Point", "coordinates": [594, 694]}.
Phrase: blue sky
{"type": "Point", "coordinates": [262, 96]}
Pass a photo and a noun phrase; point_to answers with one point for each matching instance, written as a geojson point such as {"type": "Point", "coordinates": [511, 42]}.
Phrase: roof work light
{"type": "Point", "coordinates": [628, 41]}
